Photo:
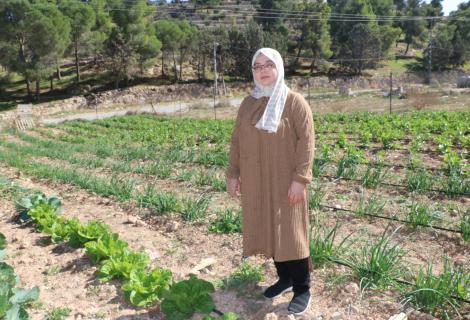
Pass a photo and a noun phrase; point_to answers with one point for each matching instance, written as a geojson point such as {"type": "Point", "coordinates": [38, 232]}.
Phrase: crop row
{"type": "Point", "coordinates": [377, 265]}
{"type": "Point", "coordinates": [445, 130]}
{"type": "Point", "coordinates": [123, 189]}
{"type": "Point", "coordinates": [380, 265]}
{"type": "Point", "coordinates": [106, 145]}
{"type": "Point", "coordinates": [453, 180]}
{"type": "Point", "coordinates": [193, 209]}
{"type": "Point", "coordinates": [142, 284]}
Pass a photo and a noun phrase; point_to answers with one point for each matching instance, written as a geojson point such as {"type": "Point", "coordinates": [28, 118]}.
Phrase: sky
{"type": "Point", "coordinates": [450, 5]}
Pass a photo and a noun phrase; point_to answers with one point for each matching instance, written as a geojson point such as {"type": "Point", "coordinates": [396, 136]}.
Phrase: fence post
{"type": "Point", "coordinates": [308, 88]}
{"type": "Point", "coordinates": [216, 90]}
{"type": "Point", "coordinates": [391, 89]}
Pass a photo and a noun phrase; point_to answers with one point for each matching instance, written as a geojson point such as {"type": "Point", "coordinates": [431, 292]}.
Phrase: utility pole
{"type": "Point", "coordinates": [215, 77]}
{"type": "Point", "coordinates": [429, 75]}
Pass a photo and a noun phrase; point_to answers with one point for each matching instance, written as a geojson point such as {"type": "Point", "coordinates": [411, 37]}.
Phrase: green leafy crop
{"type": "Point", "coordinates": [23, 205]}
{"type": "Point", "coordinates": [105, 247]}
{"type": "Point", "coordinates": [143, 288]}
{"type": "Point", "coordinates": [122, 264]}
{"type": "Point", "coordinates": [3, 244]}
{"type": "Point", "coordinates": [3, 241]}
{"type": "Point", "coordinates": [12, 299]}
{"type": "Point", "coordinates": [91, 231]}
{"type": "Point", "coordinates": [186, 297]}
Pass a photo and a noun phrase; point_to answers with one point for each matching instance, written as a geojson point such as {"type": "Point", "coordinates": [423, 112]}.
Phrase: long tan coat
{"type": "Point", "coordinates": [267, 163]}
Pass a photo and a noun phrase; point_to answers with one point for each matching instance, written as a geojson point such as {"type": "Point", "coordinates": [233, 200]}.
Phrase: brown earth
{"type": "Point", "coordinates": [67, 278]}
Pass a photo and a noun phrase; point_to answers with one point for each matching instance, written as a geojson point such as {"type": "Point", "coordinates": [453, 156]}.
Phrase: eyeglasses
{"type": "Point", "coordinates": [259, 67]}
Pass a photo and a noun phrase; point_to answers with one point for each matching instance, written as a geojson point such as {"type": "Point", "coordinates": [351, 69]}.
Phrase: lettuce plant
{"type": "Point", "coordinates": [121, 265]}
{"type": "Point", "coordinates": [143, 288]}
{"type": "Point", "coordinates": [23, 205]}
{"type": "Point", "coordinates": [186, 297]}
{"type": "Point", "coordinates": [105, 247]}
{"type": "Point", "coordinates": [62, 229]}
{"type": "Point", "coordinates": [91, 231]}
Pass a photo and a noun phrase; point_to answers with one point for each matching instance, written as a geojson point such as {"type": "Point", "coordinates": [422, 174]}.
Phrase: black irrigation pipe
{"type": "Point", "coordinates": [400, 166]}
{"type": "Point", "coordinates": [391, 218]}
{"type": "Point", "coordinates": [426, 151]}
{"type": "Point", "coordinates": [404, 140]}
{"type": "Point", "coordinates": [341, 263]}
{"type": "Point", "coordinates": [395, 185]}
{"type": "Point", "coordinates": [217, 312]}
{"type": "Point", "coordinates": [407, 138]}
{"type": "Point", "coordinates": [378, 164]}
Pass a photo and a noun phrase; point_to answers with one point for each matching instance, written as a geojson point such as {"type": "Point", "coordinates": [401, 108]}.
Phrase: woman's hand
{"type": "Point", "coordinates": [233, 186]}
{"type": "Point", "coordinates": [296, 192]}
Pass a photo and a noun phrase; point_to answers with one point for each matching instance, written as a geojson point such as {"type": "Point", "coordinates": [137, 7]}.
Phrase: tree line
{"type": "Point", "coordinates": [125, 37]}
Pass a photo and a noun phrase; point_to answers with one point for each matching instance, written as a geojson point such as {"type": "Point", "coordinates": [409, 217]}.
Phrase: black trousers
{"type": "Point", "coordinates": [297, 271]}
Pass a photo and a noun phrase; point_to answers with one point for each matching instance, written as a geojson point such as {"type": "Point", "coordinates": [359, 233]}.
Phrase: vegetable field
{"type": "Point", "coordinates": [127, 218]}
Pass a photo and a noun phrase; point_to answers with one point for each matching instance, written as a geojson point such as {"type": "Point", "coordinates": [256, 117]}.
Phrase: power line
{"type": "Point", "coordinates": [286, 14]}
{"type": "Point", "coordinates": [312, 13]}
{"type": "Point", "coordinates": [311, 17]}
{"type": "Point", "coordinates": [236, 7]}
{"type": "Point", "coordinates": [329, 60]}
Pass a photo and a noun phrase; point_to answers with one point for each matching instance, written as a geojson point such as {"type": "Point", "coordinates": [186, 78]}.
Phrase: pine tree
{"type": "Point", "coordinates": [313, 39]}
{"type": "Point", "coordinates": [82, 19]}
{"type": "Point", "coordinates": [37, 35]}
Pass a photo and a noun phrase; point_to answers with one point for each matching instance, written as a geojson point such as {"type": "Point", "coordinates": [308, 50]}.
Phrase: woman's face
{"type": "Point", "coordinates": [265, 71]}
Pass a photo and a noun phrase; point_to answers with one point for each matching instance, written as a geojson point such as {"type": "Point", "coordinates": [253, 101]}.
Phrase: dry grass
{"type": "Point", "coordinates": [422, 100]}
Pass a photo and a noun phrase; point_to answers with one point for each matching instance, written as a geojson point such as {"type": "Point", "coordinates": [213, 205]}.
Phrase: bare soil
{"type": "Point", "coordinates": [67, 278]}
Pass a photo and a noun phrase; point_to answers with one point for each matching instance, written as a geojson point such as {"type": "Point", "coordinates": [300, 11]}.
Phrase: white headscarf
{"type": "Point", "coordinates": [277, 92]}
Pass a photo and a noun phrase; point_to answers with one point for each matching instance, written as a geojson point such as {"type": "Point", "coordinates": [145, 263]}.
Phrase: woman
{"type": "Point", "coordinates": [271, 156]}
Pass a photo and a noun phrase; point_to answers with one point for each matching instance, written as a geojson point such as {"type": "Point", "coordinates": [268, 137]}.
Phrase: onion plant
{"type": "Point", "coordinates": [465, 225]}
{"type": "Point", "coordinates": [378, 264]}
{"type": "Point", "coordinates": [315, 196]}
{"type": "Point", "coordinates": [159, 202]}
{"type": "Point", "coordinates": [347, 165]}
{"type": "Point", "coordinates": [320, 162]}
{"type": "Point", "coordinates": [372, 206]}
{"type": "Point", "coordinates": [373, 176]}
{"type": "Point", "coordinates": [439, 294]}
{"type": "Point", "coordinates": [418, 180]}
{"type": "Point", "coordinates": [456, 184]}
{"type": "Point", "coordinates": [322, 245]}
{"type": "Point", "coordinates": [421, 215]}
{"type": "Point", "coordinates": [193, 210]}
{"type": "Point", "coordinates": [160, 169]}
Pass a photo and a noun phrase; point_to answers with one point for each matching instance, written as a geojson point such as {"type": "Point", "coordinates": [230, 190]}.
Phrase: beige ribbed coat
{"type": "Point", "coordinates": [267, 163]}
